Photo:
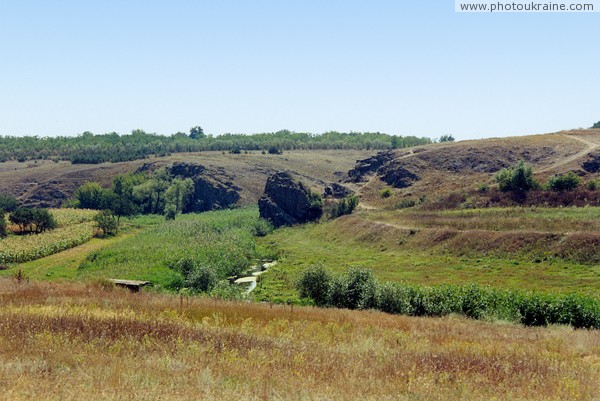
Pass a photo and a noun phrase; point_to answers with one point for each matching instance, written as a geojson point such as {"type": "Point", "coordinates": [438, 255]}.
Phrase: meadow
{"type": "Point", "coordinates": [544, 250]}
{"type": "Point", "coordinates": [92, 341]}
{"type": "Point", "coordinates": [221, 240]}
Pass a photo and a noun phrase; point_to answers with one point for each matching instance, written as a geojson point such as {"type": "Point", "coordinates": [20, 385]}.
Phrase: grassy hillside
{"type": "Point", "coordinates": [540, 249]}
{"type": "Point", "coordinates": [44, 182]}
{"type": "Point", "coordinates": [80, 341]}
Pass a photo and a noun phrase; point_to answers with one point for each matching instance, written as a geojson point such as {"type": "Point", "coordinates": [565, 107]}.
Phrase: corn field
{"type": "Point", "coordinates": [75, 227]}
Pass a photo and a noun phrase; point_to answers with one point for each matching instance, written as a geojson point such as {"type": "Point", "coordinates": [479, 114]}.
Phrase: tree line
{"type": "Point", "coordinates": [89, 148]}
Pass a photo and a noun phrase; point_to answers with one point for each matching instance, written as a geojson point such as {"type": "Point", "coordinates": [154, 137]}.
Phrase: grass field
{"type": "Point", "coordinates": [398, 246]}
{"type": "Point", "coordinates": [84, 341]}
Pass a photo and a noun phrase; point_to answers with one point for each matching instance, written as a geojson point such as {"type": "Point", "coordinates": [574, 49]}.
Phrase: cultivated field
{"type": "Point", "coordinates": [76, 341]}
{"type": "Point", "coordinates": [75, 227]}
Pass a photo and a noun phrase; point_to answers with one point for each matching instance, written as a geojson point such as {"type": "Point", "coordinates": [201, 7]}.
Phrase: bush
{"type": "Point", "coordinates": [344, 207]}
{"type": "Point", "coordinates": [385, 193]}
{"type": "Point", "coordinates": [566, 182]}
{"type": "Point", "coordinates": [107, 222]}
{"type": "Point", "coordinates": [406, 203]}
{"type": "Point", "coordinates": [518, 179]}
{"type": "Point", "coordinates": [274, 150]}
{"type": "Point", "coordinates": [596, 125]}
{"type": "Point", "coordinates": [201, 278]}
{"type": "Point", "coordinates": [358, 289]}
{"type": "Point", "coordinates": [314, 284]}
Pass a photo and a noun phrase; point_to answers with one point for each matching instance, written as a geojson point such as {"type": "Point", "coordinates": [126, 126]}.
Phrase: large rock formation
{"type": "Point", "coordinates": [211, 192]}
{"type": "Point", "coordinates": [286, 202]}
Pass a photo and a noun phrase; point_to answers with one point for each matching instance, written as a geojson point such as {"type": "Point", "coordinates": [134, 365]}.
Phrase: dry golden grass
{"type": "Point", "coordinates": [80, 341]}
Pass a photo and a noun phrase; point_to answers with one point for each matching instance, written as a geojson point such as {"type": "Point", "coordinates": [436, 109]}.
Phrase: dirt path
{"type": "Point", "coordinates": [591, 146]}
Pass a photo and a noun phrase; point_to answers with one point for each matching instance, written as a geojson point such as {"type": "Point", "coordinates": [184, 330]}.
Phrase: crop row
{"type": "Point", "coordinates": [23, 248]}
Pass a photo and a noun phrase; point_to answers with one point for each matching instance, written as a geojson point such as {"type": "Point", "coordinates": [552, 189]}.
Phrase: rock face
{"type": "Point", "coordinates": [336, 191]}
{"type": "Point", "coordinates": [592, 165]}
{"type": "Point", "coordinates": [286, 202]}
{"type": "Point", "coordinates": [210, 192]}
{"type": "Point", "coordinates": [392, 172]}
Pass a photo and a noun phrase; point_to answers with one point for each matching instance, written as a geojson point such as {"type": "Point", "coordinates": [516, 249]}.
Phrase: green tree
{"type": "Point", "coordinates": [8, 203]}
{"type": "Point", "coordinates": [107, 222]}
{"type": "Point", "coordinates": [345, 206]}
{"type": "Point", "coordinates": [447, 138]}
{"type": "Point", "coordinates": [3, 231]}
{"type": "Point", "coordinates": [90, 196]}
{"type": "Point", "coordinates": [179, 193]}
{"type": "Point", "coordinates": [597, 125]}
{"type": "Point", "coordinates": [197, 133]}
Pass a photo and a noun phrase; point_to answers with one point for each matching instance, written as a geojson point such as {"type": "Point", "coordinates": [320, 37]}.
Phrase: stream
{"type": "Point", "coordinates": [256, 271]}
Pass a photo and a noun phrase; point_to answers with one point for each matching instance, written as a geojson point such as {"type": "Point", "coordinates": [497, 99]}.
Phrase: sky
{"type": "Point", "coordinates": [403, 67]}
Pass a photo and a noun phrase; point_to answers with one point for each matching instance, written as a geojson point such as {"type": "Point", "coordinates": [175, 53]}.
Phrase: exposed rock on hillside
{"type": "Point", "coordinates": [592, 165]}
{"type": "Point", "coordinates": [211, 192]}
{"type": "Point", "coordinates": [286, 202]}
{"type": "Point", "coordinates": [337, 191]}
{"type": "Point", "coordinates": [369, 165]}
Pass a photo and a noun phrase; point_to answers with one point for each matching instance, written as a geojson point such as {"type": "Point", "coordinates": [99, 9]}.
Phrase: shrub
{"type": "Point", "coordinates": [344, 207]}
{"type": "Point", "coordinates": [566, 182]}
{"type": "Point", "coordinates": [314, 284]}
{"type": "Point", "coordinates": [274, 150]}
{"type": "Point", "coordinates": [406, 203]}
{"type": "Point", "coordinates": [261, 227]}
{"type": "Point", "coordinates": [358, 289]}
{"type": "Point", "coordinates": [201, 278]}
{"type": "Point", "coordinates": [596, 125]}
{"type": "Point", "coordinates": [385, 193]}
{"type": "Point", "coordinates": [483, 188]}
{"type": "Point", "coordinates": [592, 185]}
{"type": "Point", "coordinates": [518, 179]}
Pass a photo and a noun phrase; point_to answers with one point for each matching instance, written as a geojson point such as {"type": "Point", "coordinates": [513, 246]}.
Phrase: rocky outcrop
{"type": "Point", "coordinates": [369, 166]}
{"type": "Point", "coordinates": [592, 164]}
{"type": "Point", "coordinates": [393, 172]}
{"type": "Point", "coordinates": [286, 202]}
{"type": "Point", "coordinates": [337, 191]}
{"type": "Point", "coordinates": [211, 192]}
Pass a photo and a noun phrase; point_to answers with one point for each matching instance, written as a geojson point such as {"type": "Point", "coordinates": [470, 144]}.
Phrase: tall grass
{"type": "Point", "coordinates": [79, 341]}
{"type": "Point", "coordinates": [222, 241]}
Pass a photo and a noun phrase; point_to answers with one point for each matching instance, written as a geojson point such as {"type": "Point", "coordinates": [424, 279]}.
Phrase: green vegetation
{"type": "Point", "coordinates": [32, 220]}
{"type": "Point", "coordinates": [178, 253]}
{"type": "Point", "coordinates": [8, 203]}
{"type": "Point", "coordinates": [447, 138]}
{"type": "Point", "coordinates": [3, 231]}
{"type": "Point", "coordinates": [74, 227]}
{"type": "Point", "coordinates": [596, 125]}
{"type": "Point", "coordinates": [359, 289]}
{"type": "Point", "coordinates": [518, 179]}
{"type": "Point", "coordinates": [385, 193]}
{"type": "Point", "coordinates": [344, 206]}
{"type": "Point", "coordinates": [92, 149]}
{"type": "Point", "coordinates": [537, 249]}
{"type": "Point", "coordinates": [565, 182]}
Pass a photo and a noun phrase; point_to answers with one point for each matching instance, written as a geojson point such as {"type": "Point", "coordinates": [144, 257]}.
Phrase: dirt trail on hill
{"type": "Point", "coordinates": [591, 147]}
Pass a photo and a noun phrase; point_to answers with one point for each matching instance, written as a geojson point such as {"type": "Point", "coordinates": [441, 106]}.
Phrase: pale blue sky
{"type": "Point", "coordinates": [402, 67]}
